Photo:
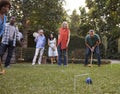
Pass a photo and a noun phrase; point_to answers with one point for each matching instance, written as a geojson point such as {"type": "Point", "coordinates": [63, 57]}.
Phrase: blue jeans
{"type": "Point", "coordinates": [97, 53]}
{"type": "Point", "coordinates": [9, 48]}
{"type": "Point", "coordinates": [62, 52]}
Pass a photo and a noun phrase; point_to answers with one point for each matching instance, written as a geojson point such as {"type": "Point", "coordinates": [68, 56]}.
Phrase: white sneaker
{"type": "Point", "coordinates": [66, 65]}
{"type": "Point", "coordinates": [7, 67]}
{"type": "Point", "coordinates": [39, 63]}
{"type": "Point", "coordinates": [33, 63]}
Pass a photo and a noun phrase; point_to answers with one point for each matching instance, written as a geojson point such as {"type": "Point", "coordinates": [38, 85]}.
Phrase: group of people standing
{"type": "Point", "coordinates": [56, 49]}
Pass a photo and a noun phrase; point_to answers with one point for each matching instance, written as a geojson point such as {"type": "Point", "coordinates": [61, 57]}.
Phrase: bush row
{"type": "Point", "coordinates": [76, 50]}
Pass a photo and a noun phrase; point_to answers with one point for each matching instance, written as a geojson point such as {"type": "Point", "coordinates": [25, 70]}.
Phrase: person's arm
{"type": "Point", "coordinates": [98, 42]}
{"type": "Point", "coordinates": [91, 48]}
{"type": "Point", "coordinates": [58, 34]}
{"type": "Point", "coordinates": [58, 38]}
{"type": "Point", "coordinates": [48, 42]}
{"type": "Point", "coordinates": [55, 42]}
{"type": "Point", "coordinates": [4, 25]}
{"type": "Point", "coordinates": [17, 33]}
{"type": "Point", "coordinates": [36, 38]}
{"type": "Point", "coordinates": [5, 34]}
{"type": "Point", "coordinates": [44, 41]}
{"type": "Point", "coordinates": [68, 39]}
{"type": "Point", "coordinates": [87, 44]}
{"type": "Point", "coordinates": [2, 31]}
{"type": "Point", "coordinates": [19, 36]}
{"type": "Point", "coordinates": [86, 41]}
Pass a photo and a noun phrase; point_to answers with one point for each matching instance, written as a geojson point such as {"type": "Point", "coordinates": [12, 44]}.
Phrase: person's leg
{"type": "Point", "coordinates": [87, 53]}
{"type": "Point", "coordinates": [51, 55]}
{"type": "Point", "coordinates": [55, 55]}
{"type": "Point", "coordinates": [35, 56]}
{"type": "Point", "coordinates": [65, 56]}
{"type": "Point", "coordinates": [9, 55]}
{"type": "Point", "coordinates": [52, 59]}
{"type": "Point", "coordinates": [97, 53]}
{"type": "Point", "coordinates": [2, 51]}
{"type": "Point", "coordinates": [3, 48]}
{"type": "Point", "coordinates": [41, 55]}
{"type": "Point", "coordinates": [59, 55]}
{"type": "Point", "coordinates": [56, 59]}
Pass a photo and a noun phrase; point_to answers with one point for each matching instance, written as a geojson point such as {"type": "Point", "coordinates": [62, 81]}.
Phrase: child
{"type": "Point", "coordinates": [40, 45]}
{"type": "Point", "coordinates": [52, 51]}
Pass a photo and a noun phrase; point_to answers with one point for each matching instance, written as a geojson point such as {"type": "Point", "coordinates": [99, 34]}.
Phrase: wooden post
{"type": "Point", "coordinates": [43, 60]}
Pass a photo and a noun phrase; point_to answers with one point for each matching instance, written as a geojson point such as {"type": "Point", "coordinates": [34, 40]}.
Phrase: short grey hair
{"type": "Point", "coordinates": [91, 30]}
{"type": "Point", "coordinates": [40, 30]}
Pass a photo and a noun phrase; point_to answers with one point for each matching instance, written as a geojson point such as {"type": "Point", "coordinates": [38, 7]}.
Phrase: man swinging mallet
{"type": "Point", "coordinates": [92, 42]}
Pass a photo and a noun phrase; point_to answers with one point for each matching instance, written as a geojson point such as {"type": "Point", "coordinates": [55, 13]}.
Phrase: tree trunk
{"type": "Point", "coordinates": [25, 32]}
{"type": "Point", "coordinates": [25, 38]}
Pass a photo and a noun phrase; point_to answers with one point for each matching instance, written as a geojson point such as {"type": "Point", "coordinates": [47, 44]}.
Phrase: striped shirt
{"type": "Point", "coordinates": [6, 35]}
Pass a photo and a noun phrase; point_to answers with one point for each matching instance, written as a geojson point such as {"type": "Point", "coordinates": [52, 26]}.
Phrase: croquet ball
{"type": "Point", "coordinates": [88, 80]}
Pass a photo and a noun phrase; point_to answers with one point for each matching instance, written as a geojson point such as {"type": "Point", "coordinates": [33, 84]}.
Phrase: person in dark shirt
{"type": "Point", "coordinates": [92, 42]}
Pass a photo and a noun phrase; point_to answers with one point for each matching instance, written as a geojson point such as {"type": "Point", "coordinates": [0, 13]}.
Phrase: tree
{"type": "Point", "coordinates": [36, 14]}
{"type": "Point", "coordinates": [85, 22]}
{"type": "Point", "coordinates": [106, 20]}
{"type": "Point", "coordinates": [75, 22]}
{"type": "Point", "coordinates": [104, 13]}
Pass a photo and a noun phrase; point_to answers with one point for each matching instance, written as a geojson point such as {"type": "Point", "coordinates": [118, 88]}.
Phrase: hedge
{"type": "Point", "coordinates": [76, 50]}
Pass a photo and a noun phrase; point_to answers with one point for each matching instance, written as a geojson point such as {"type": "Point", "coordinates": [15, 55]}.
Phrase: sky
{"type": "Point", "coordinates": [73, 4]}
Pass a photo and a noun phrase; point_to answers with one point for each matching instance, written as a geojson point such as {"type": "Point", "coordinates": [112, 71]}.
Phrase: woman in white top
{"type": "Point", "coordinates": [52, 51]}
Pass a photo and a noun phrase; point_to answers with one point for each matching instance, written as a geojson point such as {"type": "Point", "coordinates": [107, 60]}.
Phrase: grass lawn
{"type": "Point", "coordinates": [50, 79]}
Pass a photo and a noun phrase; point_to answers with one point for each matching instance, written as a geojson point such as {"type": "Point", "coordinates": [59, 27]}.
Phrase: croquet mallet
{"type": "Point", "coordinates": [91, 59]}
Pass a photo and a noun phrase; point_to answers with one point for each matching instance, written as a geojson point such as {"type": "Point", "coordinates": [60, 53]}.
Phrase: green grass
{"type": "Point", "coordinates": [51, 79]}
